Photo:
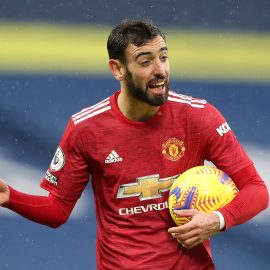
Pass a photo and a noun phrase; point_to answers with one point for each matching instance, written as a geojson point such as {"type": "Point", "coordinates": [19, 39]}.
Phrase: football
{"type": "Point", "coordinates": [204, 188]}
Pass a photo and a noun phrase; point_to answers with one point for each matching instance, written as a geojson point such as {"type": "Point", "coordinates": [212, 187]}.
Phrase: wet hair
{"type": "Point", "coordinates": [136, 32]}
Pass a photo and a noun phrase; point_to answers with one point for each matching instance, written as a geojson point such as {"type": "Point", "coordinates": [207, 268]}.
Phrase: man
{"type": "Point", "coordinates": [124, 143]}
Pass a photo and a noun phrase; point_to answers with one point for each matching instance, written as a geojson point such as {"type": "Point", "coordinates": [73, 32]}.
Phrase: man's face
{"type": "Point", "coordinates": [147, 72]}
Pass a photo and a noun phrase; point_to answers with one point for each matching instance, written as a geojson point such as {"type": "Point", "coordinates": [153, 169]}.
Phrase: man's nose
{"type": "Point", "coordinates": [159, 68]}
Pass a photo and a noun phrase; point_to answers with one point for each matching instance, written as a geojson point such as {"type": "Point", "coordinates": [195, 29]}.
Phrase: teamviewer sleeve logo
{"type": "Point", "coordinates": [223, 129]}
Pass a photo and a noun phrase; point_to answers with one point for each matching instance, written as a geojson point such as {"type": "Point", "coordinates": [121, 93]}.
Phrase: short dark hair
{"type": "Point", "coordinates": [136, 32]}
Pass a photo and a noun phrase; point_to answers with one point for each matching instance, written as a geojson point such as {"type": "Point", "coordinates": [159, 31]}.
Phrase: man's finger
{"type": "Point", "coordinates": [186, 212]}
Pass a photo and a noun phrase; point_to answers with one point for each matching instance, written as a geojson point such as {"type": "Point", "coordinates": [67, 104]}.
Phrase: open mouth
{"type": "Point", "coordinates": [157, 86]}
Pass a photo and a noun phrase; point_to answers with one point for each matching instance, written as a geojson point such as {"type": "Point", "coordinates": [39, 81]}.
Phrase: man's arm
{"type": "Point", "coordinates": [47, 210]}
{"type": "Point", "coordinates": [252, 198]}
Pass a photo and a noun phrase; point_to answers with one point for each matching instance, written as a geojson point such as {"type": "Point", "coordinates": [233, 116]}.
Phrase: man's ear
{"type": "Point", "coordinates": [117, 69]}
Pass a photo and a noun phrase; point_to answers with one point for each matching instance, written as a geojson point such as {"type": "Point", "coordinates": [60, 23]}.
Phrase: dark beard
{"type": "Point", "coordinates": [141, 94]}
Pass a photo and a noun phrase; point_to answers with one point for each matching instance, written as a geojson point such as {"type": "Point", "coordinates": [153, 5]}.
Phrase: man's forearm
{"type": "Point", "coordinates": [47, 210]}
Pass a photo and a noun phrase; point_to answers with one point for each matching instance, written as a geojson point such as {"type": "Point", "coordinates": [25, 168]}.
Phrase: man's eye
{"type": "Point", "coordinates": [165, 57]}
{"type": "Point", "coordinates": [145, 63]}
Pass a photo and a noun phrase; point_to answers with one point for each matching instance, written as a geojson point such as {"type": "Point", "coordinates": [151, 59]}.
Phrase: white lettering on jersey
{"type": "Point", "coordinates": [143, 209]}
{"type": "Point", "coordinates": [223, 129]}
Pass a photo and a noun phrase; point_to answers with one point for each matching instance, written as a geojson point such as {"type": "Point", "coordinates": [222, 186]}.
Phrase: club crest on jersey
{"type": "Point", "coordinates": [173, 149]}
{"type": "Point", "coordinates": [58, 161]}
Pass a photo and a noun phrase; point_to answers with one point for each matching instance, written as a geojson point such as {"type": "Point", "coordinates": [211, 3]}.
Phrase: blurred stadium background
{"type": "Point", "coordinates": [53, 62]}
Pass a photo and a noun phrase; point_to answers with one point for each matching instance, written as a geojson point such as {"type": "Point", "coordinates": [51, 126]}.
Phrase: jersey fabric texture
{"type": "Point", "coordinates": [132, 166]}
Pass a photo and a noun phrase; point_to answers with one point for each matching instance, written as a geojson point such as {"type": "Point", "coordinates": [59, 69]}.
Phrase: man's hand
{"type": "Point", "coordinates": [201, 227]}
{"type": "Point", "coordinates": [4, 192]}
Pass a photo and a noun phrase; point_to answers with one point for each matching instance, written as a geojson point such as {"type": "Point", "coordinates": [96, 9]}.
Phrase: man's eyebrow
{"type": "Point", "coordinates": [165, 48]}
{"type": "Point", "coordinates": [149, 53]}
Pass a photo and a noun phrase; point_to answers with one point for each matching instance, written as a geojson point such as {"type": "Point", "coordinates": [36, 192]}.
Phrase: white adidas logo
{"type": "Point", "coordinates": [113, 157]}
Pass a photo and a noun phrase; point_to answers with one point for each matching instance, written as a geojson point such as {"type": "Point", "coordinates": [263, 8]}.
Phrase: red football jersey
{"type": "Point", "coordinates": [133, 165]}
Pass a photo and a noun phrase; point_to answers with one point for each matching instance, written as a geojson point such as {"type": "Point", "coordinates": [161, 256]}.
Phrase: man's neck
{"type": "Point", "coordinates": [134, 109]}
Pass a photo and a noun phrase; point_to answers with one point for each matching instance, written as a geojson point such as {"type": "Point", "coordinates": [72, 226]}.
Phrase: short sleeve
{"type": "Point", "coordinates": [68, 172]}
{"type": "Point", "coordinates": [221, 145]}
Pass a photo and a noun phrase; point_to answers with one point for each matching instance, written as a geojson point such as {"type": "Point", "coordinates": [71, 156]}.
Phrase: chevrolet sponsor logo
{"type": "Point", "coordinates": [146, 187]}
